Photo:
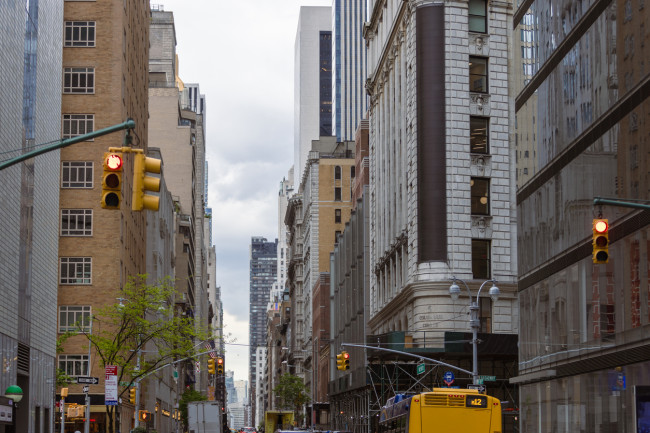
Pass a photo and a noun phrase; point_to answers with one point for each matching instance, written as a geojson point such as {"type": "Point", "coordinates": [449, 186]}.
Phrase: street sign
{"type": "Point", "coordinates": [449, 378]}
{"type": "Point", "coordinates": [420, 369]}
{"type": "Point", "coordinates": [87, 379]}
{"type": "Point", "coordinates": [86, 389]}
{"type": "Point", "coordinates": [488, 378]}
{"type": "Point", "coordinates": [480, 388]}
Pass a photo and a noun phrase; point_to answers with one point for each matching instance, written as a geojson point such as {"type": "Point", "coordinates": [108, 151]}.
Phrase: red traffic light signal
{"type": "Point", "coordinates": [600, 241]}
{"type": "Point", "coordinates": [112, 180]}
{"type": "Point", "coordinates": [219, 365]}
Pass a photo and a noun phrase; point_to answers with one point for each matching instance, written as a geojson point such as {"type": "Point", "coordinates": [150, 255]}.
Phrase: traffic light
{"type": "Point", "coordinates": [343, 361]}
{"type": "Point", "coordinates": [144, 415]}
{"type": "Point", "coordinates": [112, 180]}
{"type": "Point", "coordinates": [142, 183]}
{"type": "Point", "coordinates": [132, 395]}
{"type": "Point", "coordinates": [219, 365]}
{"type": "Point", "coordinates": [211, 368]}
{"type": "Point", "coordinates": [600, 243]}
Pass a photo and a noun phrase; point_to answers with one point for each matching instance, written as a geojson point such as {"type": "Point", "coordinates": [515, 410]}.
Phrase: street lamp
{"type": "Point", "coordinates": [454, 292]}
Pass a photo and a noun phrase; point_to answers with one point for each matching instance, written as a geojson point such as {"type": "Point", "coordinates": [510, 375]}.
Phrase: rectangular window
{"type": "Point", "coordinates": [480, 259]}
{"type": "Point", "coordinates": [76, 222]}
{"type": "Point", "coordinates": [478, 74]}
{"type": "Point", "coordinates": [477, 16]}
{"type": "Point", "coordinates": [77, 124]}
{"type": "Point", "coordinates": [478, 134]}
{"type": "Point", "coordinates": [77, 174]}
{"type": "Point", "coordinates": [337, 172]}
{"type": "Point", "coordinates": [337, 194]}
{"type": "Point", "coordinates": [78, 80]}
{"type": "Point", "coordinates": [74, 318]}
{"type": "Point", "coordinates": [480, 193]}
{"type": "Point", "coordinates": [337, 215]}
{"type": "Point", "coordinates": [79, 34]}
{"type": "Point", "coordinates": [75, 270]}
{"type": "Point", "coordinates": [74, 365]}
{"type": "Point", "coordinates": [485, 314]}
{"type": "Point", "coordinates": [353, 171]}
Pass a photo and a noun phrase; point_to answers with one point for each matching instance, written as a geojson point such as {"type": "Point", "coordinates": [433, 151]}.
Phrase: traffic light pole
{"type": "Point", "coordinates": [129, 124]}
{"type": "Point", "coordinates": [637, 204]}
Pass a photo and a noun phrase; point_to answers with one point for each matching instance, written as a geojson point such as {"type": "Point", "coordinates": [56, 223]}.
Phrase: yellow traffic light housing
{"type": "Point", "coordinates": [112, 180]}
{"type": "Point", "coordinates": [142, 183]}
{"type": "Point", "coordinates": [219, 365]}
{"type": "Point", "coordinates": [132, 395]}
{"type": "Point", "coordinates": [343, 361]}
{"type": "Point", "coordinates": [211, 368]}
{"type": "Point", "coordinates": [600, 242]}
{"type": "Point", "coordinates": [144, 415]}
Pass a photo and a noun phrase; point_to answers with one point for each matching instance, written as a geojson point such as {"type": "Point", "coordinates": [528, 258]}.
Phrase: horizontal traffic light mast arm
{"type": "Point", "coordinates": [139, 379]}
{"type": "Point", "coordinates": [129, 124]}
{"type": "Point", "coordinates": [637, 204]}
{"type": "Point", "coordinates": [408, 354]}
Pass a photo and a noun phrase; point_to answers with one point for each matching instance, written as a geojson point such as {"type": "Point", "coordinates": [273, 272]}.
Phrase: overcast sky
{"type": "Point", "coordinates": [241, 54]}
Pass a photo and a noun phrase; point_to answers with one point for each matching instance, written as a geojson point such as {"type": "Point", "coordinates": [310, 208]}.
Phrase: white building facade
{"type": "Point", "coordinates": [442, 190]}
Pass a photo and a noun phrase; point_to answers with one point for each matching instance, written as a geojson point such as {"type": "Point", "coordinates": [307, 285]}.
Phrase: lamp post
{"type": "Point", "coordinates": [454, 292]}
{"type": "Point", "coordinates": [15, 393]}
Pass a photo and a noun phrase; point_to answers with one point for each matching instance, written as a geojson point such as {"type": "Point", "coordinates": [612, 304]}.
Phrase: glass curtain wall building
{"type": "Point", "coordinates": [581, 100]}
{"type": "Point", "coordinates": [350, 101]}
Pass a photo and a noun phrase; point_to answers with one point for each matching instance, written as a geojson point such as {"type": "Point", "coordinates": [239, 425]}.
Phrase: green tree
{"type": "Point", "coordinates": [141, 325]}
{"type": "Point", "coordinates": [292, 394]}
{"type": "Point", "coordinates": [188, 396]}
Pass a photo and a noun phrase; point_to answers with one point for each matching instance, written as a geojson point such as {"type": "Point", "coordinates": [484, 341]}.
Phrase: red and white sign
{"type": "Point", "coordinates": [110, 385]}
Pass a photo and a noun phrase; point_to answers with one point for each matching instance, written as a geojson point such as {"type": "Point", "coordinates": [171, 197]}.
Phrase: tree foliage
{"type": "Point", "coordinates": [291, 393]}
{"type": "Point", "coordinates": [142, 325]}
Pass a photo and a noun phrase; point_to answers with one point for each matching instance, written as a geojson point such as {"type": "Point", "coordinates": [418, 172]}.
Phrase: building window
{"type": "Point", "coordinates": [77, 174]}
{"type": "Point", "coordinates": [478, 134]}
{"type": "Point", "coordinates": [337, 216]}
{"type": "Point", "coordinates": [480, 259]}
{"type": "Point", "coordinates": [77, 124]}
{"type": "Point", "coordinates": [485, 314]}
{"type": "Point", "coordinates": [337, 172]}
{"type": "Point", "coordinates": [337, 193]}
{"type": "Point", "coordinates": [353, 171]}
{"type": "Point", "coordinates": [74, 318]}
{"type": "Point", "coordinates": [477, 16]}
{"type": "Point", "coordinates": [76, 222]}
{"type": "Point", "coordinates": [478, 74]}
{"type": "Point", "coordinates": [79, 34]}
{"type": "Point", "coordinates": [79, 80]}
{"type": "Point", "coordinates": [480, 192]}
{"type": "Point", "coordinates": [74, 365]}
{"type": "Point", "coordinates": [76, 270]}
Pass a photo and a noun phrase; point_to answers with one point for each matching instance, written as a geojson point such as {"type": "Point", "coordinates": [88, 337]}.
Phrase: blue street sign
{"type": "Point", "coordinates": [449, 378]}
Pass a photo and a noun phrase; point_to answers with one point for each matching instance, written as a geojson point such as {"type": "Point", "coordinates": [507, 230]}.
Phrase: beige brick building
{"type": "Point", "coordinates": [105, 55]}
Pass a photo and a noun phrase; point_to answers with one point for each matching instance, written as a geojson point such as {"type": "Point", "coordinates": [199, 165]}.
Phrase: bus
{"type": "Point", "coordinates": [443, 410]}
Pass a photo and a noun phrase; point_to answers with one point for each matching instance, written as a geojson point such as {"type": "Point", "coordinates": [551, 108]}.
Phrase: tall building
{"type": "Point", "coordinates": [312, 83]}
{"type": "Point", "coordinates": [315, 217]}
{"type": "Point", "coordinates": [349, 97]}
{"type": "Point", "coordinates": [263, 272]}
{"type": "Point", "coordinates": [583, 358]}
{"type": "Point", "coordinates": [441, 185]}
{"type": "Point", "coordinates": [105, 52]}
{"type": "Point", "coordinates": [30, 114]}
{"type": "Point", "coordinates": [179, 132]}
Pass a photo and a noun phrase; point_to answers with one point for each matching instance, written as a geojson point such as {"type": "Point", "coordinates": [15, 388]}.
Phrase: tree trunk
{"type": "Point", "coordinates": [109, 418]}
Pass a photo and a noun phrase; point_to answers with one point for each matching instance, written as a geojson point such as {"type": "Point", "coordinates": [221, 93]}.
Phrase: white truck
{"type": "Point", "coordinates": [204, 417]}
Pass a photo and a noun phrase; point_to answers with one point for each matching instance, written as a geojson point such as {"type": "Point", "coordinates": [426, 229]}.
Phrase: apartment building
{"type": "Point", "coordinates": [105, 52]}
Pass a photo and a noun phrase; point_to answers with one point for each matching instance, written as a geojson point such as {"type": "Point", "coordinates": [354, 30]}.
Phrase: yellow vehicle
{"type": "Point", "coordinates": [444, 410]}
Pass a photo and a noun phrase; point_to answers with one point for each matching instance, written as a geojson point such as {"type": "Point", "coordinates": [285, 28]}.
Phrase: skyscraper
{"type": "Point", "coordinates": [312, 83]}
{"type": "Point", "coordinates": [263, 273]}
{"type": "Point", "coordinates": [349, 101]}
{"type": "Point", "coordinates": [30, 114]}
